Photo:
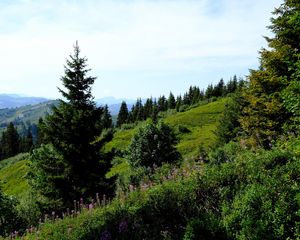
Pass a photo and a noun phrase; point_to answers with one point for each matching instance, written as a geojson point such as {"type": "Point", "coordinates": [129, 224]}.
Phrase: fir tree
{"type": "Point", "coordinates": [178, 103]}
{"type": "Point", "coordinates": [72, 129]}
{"type": "Point", "coordinates": [267, 110]}
{"type": "Point", "coordinates": [123, 114]}
{"type": "Point", "coordinates": [162, 104]}
{"type": "Point", "coordinates": [209, 91]}
{"type": "Point", "coordinates": [148, 108]}
{"type": "Point", "coordinates": [106, 120]}
{"type": "Point", "coordinates": [40, 136]}
{"type": "Point", "coordinates": [171, 101]}
{"type": "Point", "coordinates": [10, 141]}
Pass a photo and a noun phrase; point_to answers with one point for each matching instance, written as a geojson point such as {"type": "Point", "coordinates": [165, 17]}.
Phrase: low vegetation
{"type": "Point", "coordinates": [227, 169]}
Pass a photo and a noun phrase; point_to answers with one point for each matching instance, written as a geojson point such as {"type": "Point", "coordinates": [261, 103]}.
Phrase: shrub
{"type": "Point", "coordinates": [153, 144]}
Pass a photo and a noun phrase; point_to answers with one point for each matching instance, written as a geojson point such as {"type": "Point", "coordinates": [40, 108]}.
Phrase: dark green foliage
{"type": "Point", "coordinates": [137, 113]}
{"type": "Point", "coordinates": [123, 114]}
{"type": "Point", "coordinates": [162, 104]}
{"type": "Point", "coordinates": [10, 142]}
{"type": "Point", "coordinates": [26, 142]}
{"type": "Point", "coordinates": [209, 91]}
{"type": "Point", "coordinates": [219, 89]}
{"type": "Point", "coordinates": [232, 85]}
{"type": "Point", "coordinates": [153, 144]}
{"type": "Point", "coordinates": [40, 138]}
{"type": "Point", "coordinates": [171, 101]}
{"type": "Point", "coordinates": [230, 127]}
{"type": "Point", "coordinates": [9, 220]}
{"type": "Point", "coordinates": [148, 108]}
{"type": "Point", "coordinates": [72, 129]}
{"type": "Point", "coordinates": [48, 175]}
{"type": "Point", "coordinates": [106, 120]}
{"type": "Point", "coordinates": [273, 91]}
{"type": "Point", "coordinates": [154, 112]}
{"type": "Point", "coordinates": [178, 103]}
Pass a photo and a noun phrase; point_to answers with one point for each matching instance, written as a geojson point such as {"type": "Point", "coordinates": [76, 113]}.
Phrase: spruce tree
{"type": "Point", "coordinates": [268, 106]}
{"type": "Point", "coordinates": [72, 129]}
{"type": "Point", "coordinates": [40, 136]}
{"type": "Point", "coordinates": [209, 91]}
{"type": "Point", "coordinates": [106, 120]}
{"type": "Point", "coordinates": [10, 141]}
{"type": "Point", "coordinates": [123, 114]}
{"type": "Point", "coordinates": [178, 103]}
{"type": "Point", "coordinates": [162, 104]}
{"type": "Point", "coordinates": [148, 108]}
{"type": "Point", "coordinates": [171, 101]}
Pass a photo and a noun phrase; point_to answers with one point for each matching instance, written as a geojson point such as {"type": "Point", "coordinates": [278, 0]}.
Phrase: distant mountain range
{"type": "Point", "coordinates": [22, 110]}
{"type": "Point", "coordinates": [114, 104]}
{"type": "Point", "coordinates": [15, 100]}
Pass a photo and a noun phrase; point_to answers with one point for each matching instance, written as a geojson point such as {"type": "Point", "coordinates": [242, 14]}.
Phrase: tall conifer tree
{"type": "Point", "coordinates": [123, 114]}
{"type": "Point", "coordinates": [72, 129]}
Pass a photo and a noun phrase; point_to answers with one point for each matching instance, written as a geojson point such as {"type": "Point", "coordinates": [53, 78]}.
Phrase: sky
{"type": "Point", "coordinates": [135, 48]}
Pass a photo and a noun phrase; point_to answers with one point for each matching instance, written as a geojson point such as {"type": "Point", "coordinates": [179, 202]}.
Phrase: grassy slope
{"type": "Point", "coordinates": [13, 175]}
{"type": "Point", "coordinates": [201, 121]}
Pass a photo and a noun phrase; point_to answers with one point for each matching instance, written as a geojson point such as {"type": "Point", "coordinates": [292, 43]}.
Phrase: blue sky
{"type": "Point", "coordinates": [136, 48]}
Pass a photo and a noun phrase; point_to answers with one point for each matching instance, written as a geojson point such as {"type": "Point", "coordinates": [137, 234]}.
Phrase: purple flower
{"type": "Point", "coordinates": [123, 226]}
{"type": "Point", "coordinates": [105, 235]}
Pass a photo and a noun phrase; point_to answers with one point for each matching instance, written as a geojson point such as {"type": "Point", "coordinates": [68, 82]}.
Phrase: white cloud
{"type": "Point", "coordinates": [127, 36]}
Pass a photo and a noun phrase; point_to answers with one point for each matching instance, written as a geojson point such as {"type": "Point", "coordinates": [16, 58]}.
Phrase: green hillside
{"type": "Point", "coordinates": [13, 175]}
{"type": "Point", "coordinates": [200, 122]}
{"type": "Point", "coordinates": [194, 128]}
{"type": "Point", "coordinates": [24, 115]}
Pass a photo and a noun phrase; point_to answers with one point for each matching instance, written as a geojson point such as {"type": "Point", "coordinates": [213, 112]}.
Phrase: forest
{"type": "Point", "coordinates": [215, 163]}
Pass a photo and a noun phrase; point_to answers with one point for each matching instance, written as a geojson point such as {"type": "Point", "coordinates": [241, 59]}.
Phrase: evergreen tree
{"type": "Point", "coordinates": [232, 85]}
{"type": "Point", "coordinates": [229, 126]}
{"type": "Point", "coordinates": [209, 91]}
{"type": "Point", "coordinates": [171, 101]}
{"type": "Point", "coordinates": [162, 104]}
{"type": "Point", "coordinates": [138, 113]}
{"type": "Point", "coordinates": [10, 142]}
{"type": "Point", "coordinates": [123, 114]}
{"type": "Point", "coordinates": [267, 110]}
{"type": "Point", "coordinates": [106, 120]}
{"type": "Point", "coordinates": [72, 129]}
{"type": "Point", "coordinates": [40, 136]}
{"type": "Point", "coordinates": [186, 99]}
{"type": "Point", "coordinates": [148, 108]}
{"type": "Point", "coordinates": [178, 103]}
{"type": "Point", "coordinates": [218, 90]}
{"type": "Point", "coordinates": [196, 96]}
{"type": "Point", "coordinates": [131, 118]}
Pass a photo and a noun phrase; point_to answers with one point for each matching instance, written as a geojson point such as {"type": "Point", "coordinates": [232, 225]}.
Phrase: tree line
{"type": "Point", "coordinates": [151, 107]}
{"type": "Point", "coordinates": [12, 142]}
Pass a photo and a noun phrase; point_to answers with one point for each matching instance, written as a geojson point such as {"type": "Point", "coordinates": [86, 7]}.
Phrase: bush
{"type": "Point", "coordinates": [9, 219]}
{"type": "Point", "coordinates": [152, 145]}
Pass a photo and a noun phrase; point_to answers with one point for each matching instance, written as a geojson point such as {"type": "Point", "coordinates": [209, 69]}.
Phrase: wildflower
{"type": "Point", "coordinates": [91, 206]}
{"type": "Point", "coordinates": [105, 235]}
{"type": "Point", "coordinates": [123, 226]}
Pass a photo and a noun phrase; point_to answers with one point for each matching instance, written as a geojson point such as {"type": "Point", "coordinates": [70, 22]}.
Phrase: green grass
{"type": "Point", "coordinates": [201, 121]}
{"type": "Point", "coordinates": [13, 175]}
{"type": "Point", "coordinates": [121, 140]}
